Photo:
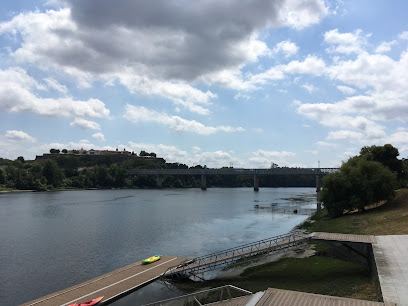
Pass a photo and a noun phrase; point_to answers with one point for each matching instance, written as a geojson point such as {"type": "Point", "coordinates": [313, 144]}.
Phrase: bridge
{"type": "Point", "coordinates": [159, 173]}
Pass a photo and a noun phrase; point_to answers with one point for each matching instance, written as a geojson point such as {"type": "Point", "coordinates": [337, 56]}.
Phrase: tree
{"type": "Point", "coordinates": [386, 155]}
{"type": "Point", "coordinates": [54, 151]}
{"type": "Point", "coordinates": [358, 183]}
{"type": "Point", "coordinates": [20, 159]}
{"type": "Point", "coordinates": [2, 177]}
{"type": "Point", "coordinates": [52, 173]}
{"type": "Point", "coordinates": [65, 151]}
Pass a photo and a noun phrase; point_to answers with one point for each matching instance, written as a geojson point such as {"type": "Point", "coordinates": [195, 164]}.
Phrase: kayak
{"type": "Point", "coordinates": [151, 259]}
{"type": "Point", "coordinates": [89, 303]}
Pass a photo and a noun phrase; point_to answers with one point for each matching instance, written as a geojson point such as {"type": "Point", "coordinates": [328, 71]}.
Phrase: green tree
{"type": "Point", "coordinates": [2, 176]}
{"type": "Point", "coordinates": [65, 151]}
{"type": "Point", "coordinates": [386, 155]}
{"type": "Point", "coordinates": [54, 151]}
{"type": "Point", "coordinates": [52, 173]}
{"type": "Point", "coordinates": [358, 183]}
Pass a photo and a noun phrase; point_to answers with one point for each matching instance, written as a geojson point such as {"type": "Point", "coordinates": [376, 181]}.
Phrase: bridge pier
{"type": "Point", "coordinates": [159, 181]}
{"type": "Point", "coordinates": [256, 183]}
{"type": "Point", "coordinates": [317, 183]}
{"type": "Point", "coordinates": [203, 182]}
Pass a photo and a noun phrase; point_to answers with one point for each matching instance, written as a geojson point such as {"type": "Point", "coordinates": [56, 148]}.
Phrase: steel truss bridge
{"type": "Point", "coordinates": [159, 173]}
{"type": "Point", "coordinates": [197, 266]}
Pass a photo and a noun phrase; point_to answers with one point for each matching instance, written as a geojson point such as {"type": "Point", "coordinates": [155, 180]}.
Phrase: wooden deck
{"type": "Point", "coordinates": [344, 237]}
{"type": "Point", "coordinates": [111, 285]}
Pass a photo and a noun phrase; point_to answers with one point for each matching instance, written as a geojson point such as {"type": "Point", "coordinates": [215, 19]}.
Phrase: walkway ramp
{"type": "Point", "coordinates": [343, 237]}
{"type": "Point", "coordinates": [391, 258]}
{"type": "Point", "coordinates": [111, 285]}
{"type": "Point", "coordinates": [199, 265]}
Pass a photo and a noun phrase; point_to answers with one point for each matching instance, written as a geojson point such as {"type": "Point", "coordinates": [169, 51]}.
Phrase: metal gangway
{"type": "Point", "coordinates": [204, 297]}
{"type": "Point", "coordinates": [199, 265]}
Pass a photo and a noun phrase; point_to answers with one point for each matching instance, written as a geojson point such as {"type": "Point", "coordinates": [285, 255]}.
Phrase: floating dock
{"type": "Point", "coordinates": [112, 285]}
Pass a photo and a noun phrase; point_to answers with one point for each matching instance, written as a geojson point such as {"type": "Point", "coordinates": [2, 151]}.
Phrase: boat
{"type": "Point", "coordinates": [151, 259]}
{"type": "Point", "coordinates": [89, 303]}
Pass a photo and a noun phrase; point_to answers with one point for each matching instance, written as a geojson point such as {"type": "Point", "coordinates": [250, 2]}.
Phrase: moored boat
{"type": "Point", "coordinates": [89, 303]}
{"type": "Point", "coordinates": [151, 259]}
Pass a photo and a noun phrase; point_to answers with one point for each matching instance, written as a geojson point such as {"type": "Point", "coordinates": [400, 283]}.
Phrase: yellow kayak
{"type": "Point", "coordinates": [151, 259]}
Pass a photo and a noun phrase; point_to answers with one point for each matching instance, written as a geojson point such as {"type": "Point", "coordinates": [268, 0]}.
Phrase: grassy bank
{"type": "Point", "coordinates": [389, 218]}
{"type": "Point", "coordinates": [320, 274]}
{"type": "Point", "coordinates": [316, 274]}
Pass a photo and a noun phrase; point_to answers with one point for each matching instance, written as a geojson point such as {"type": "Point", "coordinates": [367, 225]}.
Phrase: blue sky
{"type": "Point", "coordinates": [205, 82]}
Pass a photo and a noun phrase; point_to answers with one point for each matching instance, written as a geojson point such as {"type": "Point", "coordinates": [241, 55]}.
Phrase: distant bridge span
{"type": "Point", "coordinates": [159, 173]}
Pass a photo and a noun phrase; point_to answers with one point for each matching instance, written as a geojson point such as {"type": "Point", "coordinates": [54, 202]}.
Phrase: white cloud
{"type": "Point", "coordinates": [287, 47]}
{"type": "Point", "coordinates": [400, 140]}
{"type": "Point", "coordinates": [346, 90]}
{"type": "Point", "coordinates": [297, 14]}
{"type": "Point", "coordinates": [17, 94]}
{"type": "Point", "coordinates": [138, 114]}
{"type": "Point", "coordinates": [15, 135]}
{"type": "Point", "coordinates": [263, 159]}
{"type": "Point", "coordinates": [309, 87]}
{"type": "Point", "coordinates": [345, 43]}
{"type": "Point", "coordinates": [54, 84]}
{"type": "Point", "coordinates": [196, 149]}
{"type": "Point", "coordinates": [171, 154]}
{"type": "Point", "coordinates": [385, 46]}
{"type": "Point", "coordinates": [180, 93]}
{"type": "Point", "coordinates": [85, 124]}
{"type": "Point", "coordinates": [345, 134]}
{"type": "Point", "coordinates": [359, 118]}
{"type": "Point", "coordinates": [326, 144]}
{"type": "Point", "coordinates": [98, 136]}
{"type": "Point", "coordinates": [403, 35]}
{"type": "Point", "coordinates": [311, 65]}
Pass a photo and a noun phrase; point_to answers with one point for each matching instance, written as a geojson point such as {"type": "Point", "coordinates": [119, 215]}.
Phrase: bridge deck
{"type": "Point", "coordinates": [110, 285]}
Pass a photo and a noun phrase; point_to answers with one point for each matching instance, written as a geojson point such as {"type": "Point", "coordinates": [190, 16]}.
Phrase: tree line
{"type": "Point", "coordinates": [68, 171]}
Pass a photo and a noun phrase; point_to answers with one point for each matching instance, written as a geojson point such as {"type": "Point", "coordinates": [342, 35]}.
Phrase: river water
{"type": "Point", "coordinates": [53, 240]}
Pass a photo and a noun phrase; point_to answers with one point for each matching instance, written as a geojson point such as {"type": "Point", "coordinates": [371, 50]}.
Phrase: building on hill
{"type": "Point", "coordinates": [116, 156]}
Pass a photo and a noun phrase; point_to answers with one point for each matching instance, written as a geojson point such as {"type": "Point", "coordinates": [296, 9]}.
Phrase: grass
{"type": "Point", "coordinates": [316, 274]}
{"type": "Point", "coordinates": [389, 218]}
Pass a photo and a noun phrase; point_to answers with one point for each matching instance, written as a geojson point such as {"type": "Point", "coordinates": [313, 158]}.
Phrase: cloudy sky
{"type": "Point", "coordinates": [207, 82]}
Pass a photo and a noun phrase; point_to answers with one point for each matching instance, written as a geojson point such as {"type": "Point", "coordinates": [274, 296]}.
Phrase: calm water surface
{"type": "Point", "coordinates": [53, 240]}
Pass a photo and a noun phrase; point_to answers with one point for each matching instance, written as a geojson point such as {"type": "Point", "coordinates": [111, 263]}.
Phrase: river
{"type": "Point", "coordinates": [53, 240]}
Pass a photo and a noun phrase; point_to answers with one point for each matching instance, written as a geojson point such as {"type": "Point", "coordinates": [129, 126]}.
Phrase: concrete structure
{"type": "Point", "coordinates": [391, 258]}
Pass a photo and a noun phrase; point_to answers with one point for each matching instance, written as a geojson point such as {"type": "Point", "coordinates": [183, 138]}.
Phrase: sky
{"type": "Point", "coordinates": [219, 83]}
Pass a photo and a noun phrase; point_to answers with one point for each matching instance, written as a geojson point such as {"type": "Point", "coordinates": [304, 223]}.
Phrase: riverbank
{"type": "Point", "coordinates": [310, 269]}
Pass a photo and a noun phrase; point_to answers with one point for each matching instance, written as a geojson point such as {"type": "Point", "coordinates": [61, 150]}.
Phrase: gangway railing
{"type": "Point", "coordinates": [204, 297]}
{"type": "Point", "coordinates": [199, 265]}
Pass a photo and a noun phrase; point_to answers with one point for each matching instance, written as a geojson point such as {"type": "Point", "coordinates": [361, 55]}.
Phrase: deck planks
{"type": "Point", "coordinates": [344, 237]}
{"type": "Point", "coordinates": [110, 285]}
{"type": "Point", "coordinates": [280, 297]}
